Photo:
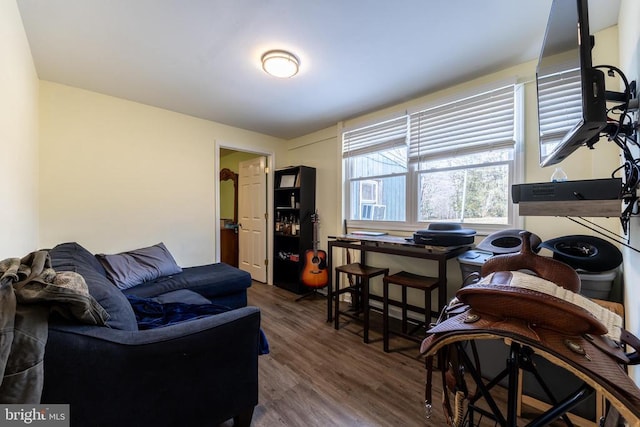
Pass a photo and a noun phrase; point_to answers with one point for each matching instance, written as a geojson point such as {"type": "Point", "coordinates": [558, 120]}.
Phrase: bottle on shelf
{"type": "Point", "coordinates": [278, 223]}
{"type": "Point", "coordinates": [293, 200]}
{"type": "Point", "coordinates": [287, 227]}
{"type": "Point", "coordinates": [558, 175]}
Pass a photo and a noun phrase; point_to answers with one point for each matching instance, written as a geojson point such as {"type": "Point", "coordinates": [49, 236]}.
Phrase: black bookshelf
{"type": "Point", "coordinates": [294, 198]}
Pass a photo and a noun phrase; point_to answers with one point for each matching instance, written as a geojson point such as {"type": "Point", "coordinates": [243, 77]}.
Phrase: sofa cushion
{"type": "Point", "coordinates": [131, 268]}
{"type": "Point", "coordinates": [220, 283]}
{"type": "Point", "coordinates": [184, 296]}
{"type": "Point", "coordinates": [74, 257]}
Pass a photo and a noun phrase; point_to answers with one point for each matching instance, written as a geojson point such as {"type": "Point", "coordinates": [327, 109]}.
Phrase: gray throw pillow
{"type": "Point", "coordinates": [129, 269]}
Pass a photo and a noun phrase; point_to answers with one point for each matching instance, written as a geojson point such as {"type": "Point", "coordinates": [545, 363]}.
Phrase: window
{"type": "Point", "coordinates": [453, 162]}
{"type": "Point", "coordinates": [369, 191]}
{"type": "Point", "coordinates": [559, 107]}
{"type": "Point", "coordinates": [376, 162]}
{"type": "Point", "coordinates": [373, 212]}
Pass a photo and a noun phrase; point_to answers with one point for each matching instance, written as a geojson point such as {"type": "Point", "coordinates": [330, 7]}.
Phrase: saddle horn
{"type": "Point", "coordinates": [547, 268]}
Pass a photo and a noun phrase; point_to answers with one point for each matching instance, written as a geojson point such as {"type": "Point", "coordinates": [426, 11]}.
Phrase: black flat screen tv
{"type": "Point", "coordinates": [571, 92]}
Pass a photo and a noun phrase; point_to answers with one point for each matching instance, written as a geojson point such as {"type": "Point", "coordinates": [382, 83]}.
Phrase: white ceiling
{"type": "Point", "coordinates": [202, 57]}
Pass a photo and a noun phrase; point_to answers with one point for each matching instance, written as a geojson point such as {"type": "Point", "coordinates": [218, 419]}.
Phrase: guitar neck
{"type": "Point", "coordinates": [315, 233]}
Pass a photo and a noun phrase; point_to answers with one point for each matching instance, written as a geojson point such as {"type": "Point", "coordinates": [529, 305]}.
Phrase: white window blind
{"type": "Point", "coordinates": [479, 122]}
{"type": "Point", "coordinates": [559, 107]}
{"type": "Point", "coordinates": [388, 134]}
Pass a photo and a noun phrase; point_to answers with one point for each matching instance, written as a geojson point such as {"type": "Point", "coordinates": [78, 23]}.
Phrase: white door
{"type": "Point", "coordinates": [252, 217]}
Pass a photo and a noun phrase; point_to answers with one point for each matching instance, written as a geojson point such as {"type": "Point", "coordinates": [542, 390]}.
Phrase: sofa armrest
{"type": "Point", "coordinates": [199, 372]}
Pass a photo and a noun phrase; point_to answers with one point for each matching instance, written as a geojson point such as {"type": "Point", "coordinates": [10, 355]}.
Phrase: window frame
{"type": "Point", "coordinates": [412, 174]}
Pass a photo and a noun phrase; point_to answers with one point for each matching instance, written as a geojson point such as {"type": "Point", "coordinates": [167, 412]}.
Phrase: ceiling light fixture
{"type": "Point", "coordinates": [280, 63]}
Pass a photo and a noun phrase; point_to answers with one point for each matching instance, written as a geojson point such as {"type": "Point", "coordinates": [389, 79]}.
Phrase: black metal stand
{"type": "Point", "coordinates": [519, 358]}
{"type": "Point", "coordinates": [312, 294]}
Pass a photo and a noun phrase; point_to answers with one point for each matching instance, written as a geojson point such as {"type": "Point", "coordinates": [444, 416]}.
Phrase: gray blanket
{"type": "Point", "coordinates": [29, 291]}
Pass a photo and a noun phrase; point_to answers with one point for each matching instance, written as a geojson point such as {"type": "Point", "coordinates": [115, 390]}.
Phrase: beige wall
{"type": "Point", "coordinates": [630, 64]}
{"type": "Point", "coordinates": [18, 138]}
{"type": "Point", "coordinates": [117, 175]}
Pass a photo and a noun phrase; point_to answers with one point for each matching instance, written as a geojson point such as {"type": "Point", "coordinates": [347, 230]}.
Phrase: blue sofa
{"type": "Point", "coordinates": [199, 372]}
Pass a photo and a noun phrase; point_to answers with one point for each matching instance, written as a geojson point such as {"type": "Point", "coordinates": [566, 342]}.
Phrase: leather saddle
{"type": "Point", "coordinates": [533, 301]}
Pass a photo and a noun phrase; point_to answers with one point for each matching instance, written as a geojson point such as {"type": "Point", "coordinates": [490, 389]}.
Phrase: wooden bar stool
{"type": "Point", "coordinates": [407, 280]}
{"type": "Point", "coordinates": [359, 291]}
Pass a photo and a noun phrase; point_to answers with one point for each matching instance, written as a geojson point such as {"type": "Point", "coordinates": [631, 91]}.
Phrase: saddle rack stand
{"type": "Point", "coordinates": [519, 358]}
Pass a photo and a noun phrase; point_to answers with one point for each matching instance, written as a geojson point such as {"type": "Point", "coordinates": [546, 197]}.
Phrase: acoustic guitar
{"type": "Point", "coordinates": [314, 273]}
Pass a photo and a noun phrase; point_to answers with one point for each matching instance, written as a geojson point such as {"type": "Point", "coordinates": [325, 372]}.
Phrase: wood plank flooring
{"type": "Point", "coordinates": [317, 376]}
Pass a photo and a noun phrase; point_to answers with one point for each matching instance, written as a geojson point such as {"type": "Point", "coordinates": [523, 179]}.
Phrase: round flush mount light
{"type": "Point", "coordinates": [280, 63]}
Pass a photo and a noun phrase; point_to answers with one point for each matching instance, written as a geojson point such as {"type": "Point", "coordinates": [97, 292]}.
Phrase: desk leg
{"type": "Point", "coordinates": [330, 282]}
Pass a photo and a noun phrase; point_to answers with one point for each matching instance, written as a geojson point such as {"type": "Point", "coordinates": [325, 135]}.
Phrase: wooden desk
{"type": "Point", "coordinates": [392, 245]}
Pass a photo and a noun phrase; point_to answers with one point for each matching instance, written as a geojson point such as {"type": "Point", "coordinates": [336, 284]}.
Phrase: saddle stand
{"type": "Point", "coordinates": [519, 359]}
{"type": "Point", "coordinates": [542, 314]}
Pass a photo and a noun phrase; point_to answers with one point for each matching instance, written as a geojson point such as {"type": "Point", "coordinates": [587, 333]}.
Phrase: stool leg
{"type": "Point", "coordinates": [427, 309]}
{"type": "Point", "coordinates": [404, 309]}
{"type": "Point", "coordinates": [385, 316]}
{"type": "Point", "coordinates": [336, 308]}
{"type": "Point", "coordinates": [365, 308]}
{"type": "Point", "coordinates": [356, 295]}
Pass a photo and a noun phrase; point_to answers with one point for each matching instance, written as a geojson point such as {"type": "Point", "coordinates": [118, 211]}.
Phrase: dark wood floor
{"type": "Point", "coordinates": [317, 376]}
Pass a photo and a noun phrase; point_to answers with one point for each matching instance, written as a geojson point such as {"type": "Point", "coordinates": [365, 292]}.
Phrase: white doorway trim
{"type": "Point", "coordinates": [271, 161]}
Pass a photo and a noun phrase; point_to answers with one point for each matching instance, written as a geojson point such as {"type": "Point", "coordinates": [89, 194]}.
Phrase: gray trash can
{"type": "Point", "coordinates": [471, 262]}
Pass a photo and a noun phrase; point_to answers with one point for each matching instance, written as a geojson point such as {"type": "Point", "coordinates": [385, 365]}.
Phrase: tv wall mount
{"type": "Point", "coordinates": [621, 129]}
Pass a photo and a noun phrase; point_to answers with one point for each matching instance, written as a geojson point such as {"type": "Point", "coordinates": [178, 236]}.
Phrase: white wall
{"type": "Point", "coordinates": [18, 138]}
{"type": "Point", "coordinates": [117, 175]}
{"type": "Point", "coordinates": [629, 31]}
